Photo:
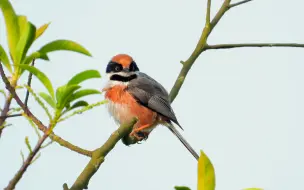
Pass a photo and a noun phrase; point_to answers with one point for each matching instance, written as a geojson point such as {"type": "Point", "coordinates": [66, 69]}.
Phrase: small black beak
{"type": "Point", "coordinates": [125, 70]}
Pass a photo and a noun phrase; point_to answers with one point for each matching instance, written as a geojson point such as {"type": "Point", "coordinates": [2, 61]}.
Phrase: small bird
{"type": "Point", "coordinates": [132, 93]}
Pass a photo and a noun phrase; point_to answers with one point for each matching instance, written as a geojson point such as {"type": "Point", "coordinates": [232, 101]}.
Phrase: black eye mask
{"type": "Point", "coordinates": [114, 67]}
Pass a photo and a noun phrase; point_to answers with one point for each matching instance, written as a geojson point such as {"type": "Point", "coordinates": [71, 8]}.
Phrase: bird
{"type": "Point", "coordinates": [134, 94]}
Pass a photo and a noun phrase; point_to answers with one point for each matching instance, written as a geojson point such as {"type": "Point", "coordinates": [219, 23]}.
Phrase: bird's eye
{"type": "Point", "coordinates": [117, 68]}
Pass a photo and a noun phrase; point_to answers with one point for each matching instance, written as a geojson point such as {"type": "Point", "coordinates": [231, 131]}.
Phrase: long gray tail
{"type": "Point", "coordinates": [181, 138]}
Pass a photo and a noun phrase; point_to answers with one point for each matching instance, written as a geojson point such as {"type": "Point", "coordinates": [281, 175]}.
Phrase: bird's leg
{"type": "Point", "coordinates": [139, 134]}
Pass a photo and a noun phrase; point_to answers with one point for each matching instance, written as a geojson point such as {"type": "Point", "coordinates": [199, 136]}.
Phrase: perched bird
{"type": "Point", "coordinates": [132, 93]}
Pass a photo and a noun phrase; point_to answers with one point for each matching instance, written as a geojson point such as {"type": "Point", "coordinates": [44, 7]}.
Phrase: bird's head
{"type": "Point", "coordinates": [121, 67]}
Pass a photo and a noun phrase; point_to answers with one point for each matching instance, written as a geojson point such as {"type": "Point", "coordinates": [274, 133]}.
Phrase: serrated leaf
{"type": "Point", "coordinates": [12, 26]}
{"type": "Point", "coordinates": [68, 45]}
{"type": "Point", "coordinates": [27, 36]}
{"type": "Point", "coordinates": [4, 59]}
{"type": "Point", "coordinates": [48, 99]}
{"type": "Point", "coordinates": [181, 188]}
{"type": "Point", "coordinates": [63, 94]}
{"type": "Point", "coordinates": [41, 30]}
{"type": "Point", "coordinates": [41, 76]}
{"type": "Point", "coordinates": [82, 93]}
{"type": "Point", "coordinates": [206, 175]}
{"type": "Point", "coordinates": [79, 104]}
{"type": "Point", "coordinates": [85, 75]}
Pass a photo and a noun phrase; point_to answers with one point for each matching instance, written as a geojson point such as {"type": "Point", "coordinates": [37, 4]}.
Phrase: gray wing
{"type": "Point", "coordinates": [152, 95]}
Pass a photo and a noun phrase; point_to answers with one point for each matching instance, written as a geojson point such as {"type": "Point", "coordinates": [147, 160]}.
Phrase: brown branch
{"type": "Point", "coordinates": [229, 46]}
{"type": "Point", "coordinates": [12, 115]}
{"type": "Point", "coordinates": [29, 81]}
{"type": "Point", "coordinates": [99, 155]}
{"type": "Point", "coordinates": [239, 3]}
{"type": "Point", "coordinates": [5, 110]}
{"type": "Point", "coordinates": [41, 126]}
{"type": "Point", "coordinates": [12, 184]}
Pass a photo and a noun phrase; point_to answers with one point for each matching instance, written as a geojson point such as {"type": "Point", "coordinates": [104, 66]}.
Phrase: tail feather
{"type": "Point", "coordinates": [181, 138]}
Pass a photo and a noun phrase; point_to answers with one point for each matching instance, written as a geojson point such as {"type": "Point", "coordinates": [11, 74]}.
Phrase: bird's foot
{"type": "Point", "coordinates": [139, 135]}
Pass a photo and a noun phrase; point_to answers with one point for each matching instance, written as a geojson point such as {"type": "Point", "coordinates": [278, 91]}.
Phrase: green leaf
{"type": "Point", "coordinates": [27, 36]}
{"type": "Point", "coordinates": [12, 27]}
{"type": "Point", "coordinates": [27, 142]}
{"type": "Point", "coordinates": [79, 104]}
{"type": "Point", "coordinates": [3, 92]}
{"type": "Point", "coordinates": [41, 76]}
{"type": "Point", "coordinates": [68, 45]}
{"type": "Point", "coordinates": [63, 94]}
{"type": "Point", "coordinates": [85, 75]}
{"type": "Point", "coordinates": [206, 175]}
{"type": "Point", "coordinates": [41, 30]}
{"type": "Point", "coordinates": [82, 93]}
{"type": "Point", "coordinates": [4, 59]}
{"type": "Point", "coordinates": [48, 99]}
{"type": "Point", "coordinates": [35, 55]}
{"type": "Point", "coordinates": [181, 188]}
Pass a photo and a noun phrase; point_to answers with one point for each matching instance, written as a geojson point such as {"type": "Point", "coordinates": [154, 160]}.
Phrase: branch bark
{"type": "Point", "coordinates": [12, 184]}
{"type": "Point", "coordinates": [5, 110]}
{"type": "Point", "coordinates": [40, 125]}
{"type": "Point", "coordinates": [229, 46]}
{"type": "Point", "coordinates": [203, 46]}
{"type": "Point", "coordinates": [198, 49]}
{"type": "Point", "coordinates": [99, 155]}
{"type": "Point", "coordinates": [239, 3]}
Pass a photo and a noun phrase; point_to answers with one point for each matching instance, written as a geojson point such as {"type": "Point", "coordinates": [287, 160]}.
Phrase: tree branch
{"type": "Point", "coordinates": [5, 110]}
{"type": "Point", "coordinates": [40, 125]}
{"type": "Point", "coordinates": [13, 115]}
{"type": "Point", "coordinates": [239, 3]}
{"type": "Point", "coordinates": [208, 13]}
{"type": "Point", "coordinates": [99, 155]}
{"type": "Point", "coordinates": [229, 46]}
{"type": "Point", "coordinates": [29, 80]}
{"type": "Point", "coordinates": [197, 51]}
{"type": "Point", "coordinates": [12, 184]}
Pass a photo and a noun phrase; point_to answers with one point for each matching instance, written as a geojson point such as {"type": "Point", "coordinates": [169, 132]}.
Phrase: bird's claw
{"type": "Point", "coordinates": [139, 135]}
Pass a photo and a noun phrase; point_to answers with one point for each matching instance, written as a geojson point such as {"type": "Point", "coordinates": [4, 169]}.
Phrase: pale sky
{"type": "Point", "coordinates": [243, 107]}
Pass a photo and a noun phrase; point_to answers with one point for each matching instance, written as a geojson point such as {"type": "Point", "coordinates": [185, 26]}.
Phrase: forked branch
{"type": "Point", "coordinates": [202, 45]}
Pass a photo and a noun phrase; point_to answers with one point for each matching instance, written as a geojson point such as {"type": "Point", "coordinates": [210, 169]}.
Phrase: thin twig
{"type": "Point", "coordinates": [99, 156]}
{"type": "Point", "coordinates": [29, 81]}
{"type": "Point", "coordinates": [229, 46]}
{"type": "Point", "coordinates": [25, 165]}
{"type": "Point", "coordinates": [40, 125]}
{"type": "Point", "coordinates": [8, 116]}
{"type": "Point", "coordinates": [197, 51]}
{"type": "Point", "coordinates": [239, 3]}
{"type": "Point", "coordinates": [208, 13]}
{"type": "Point", "coordinates": [5, 110]}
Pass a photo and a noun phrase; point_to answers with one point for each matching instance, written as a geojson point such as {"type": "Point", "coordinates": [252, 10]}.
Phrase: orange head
{"type": "Point", "coordinates": [122, 63]}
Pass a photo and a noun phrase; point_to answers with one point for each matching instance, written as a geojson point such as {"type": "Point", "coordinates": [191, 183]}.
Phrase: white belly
{"type": "Point", "coordinates": [120, 112]}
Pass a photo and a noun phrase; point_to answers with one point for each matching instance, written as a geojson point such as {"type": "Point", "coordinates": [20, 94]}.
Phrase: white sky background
{"type": "Point", "coordinates": [243, 107]}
